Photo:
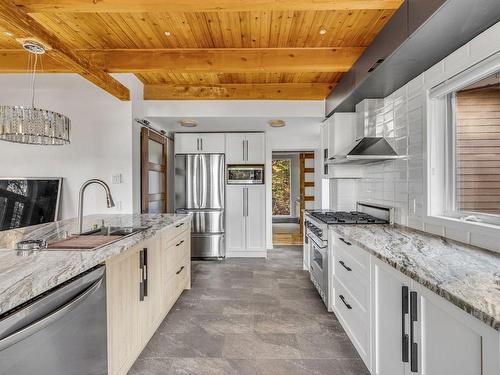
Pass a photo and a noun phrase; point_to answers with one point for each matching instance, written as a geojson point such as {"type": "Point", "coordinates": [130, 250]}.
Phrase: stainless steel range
{"type": "Point", "coordinates": [316, 252]}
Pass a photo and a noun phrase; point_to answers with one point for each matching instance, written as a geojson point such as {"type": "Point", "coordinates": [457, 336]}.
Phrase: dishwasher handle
{"type": "Point", "coordinates": [50, 318]}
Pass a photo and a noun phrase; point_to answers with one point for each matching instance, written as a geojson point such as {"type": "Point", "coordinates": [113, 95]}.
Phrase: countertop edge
{"type": "Point", "coordinates": [481, 315]}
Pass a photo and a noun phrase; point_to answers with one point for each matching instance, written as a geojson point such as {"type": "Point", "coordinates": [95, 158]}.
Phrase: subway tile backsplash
{"type": "Point", "coordinates": [397, 183]}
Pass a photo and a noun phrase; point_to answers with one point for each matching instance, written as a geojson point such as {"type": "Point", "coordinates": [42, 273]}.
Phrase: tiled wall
{"type": "Point", "coordinates": [402, 118]}
{"type": "Point", "coordinates": [397, 183]}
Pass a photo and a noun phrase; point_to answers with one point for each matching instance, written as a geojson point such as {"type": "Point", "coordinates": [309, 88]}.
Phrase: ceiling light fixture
{"type": "Point", "coordinates": [188, 123]}
{"type": "Point", "coordinates": [277, 123]}
{"type": "Point", "coordinates": [322, 30]}
{"type": "Point", "coordinates": [32, 125]}
{"type": "Point", "coordinates": [8, 33]}
{"type": "Point", "coordinates": [168, 33]}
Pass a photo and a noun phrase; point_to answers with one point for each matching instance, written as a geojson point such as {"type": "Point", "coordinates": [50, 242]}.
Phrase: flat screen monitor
{"type": "Point", "coordinates": [28, 201]}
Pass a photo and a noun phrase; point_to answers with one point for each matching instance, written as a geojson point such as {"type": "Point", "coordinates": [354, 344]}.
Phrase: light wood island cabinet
{"type": "Point", "coordinates": [143, 283]}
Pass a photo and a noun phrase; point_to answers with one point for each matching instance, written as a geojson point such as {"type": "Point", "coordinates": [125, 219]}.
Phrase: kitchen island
{"type": "Point", "coordinates": [145, 273]}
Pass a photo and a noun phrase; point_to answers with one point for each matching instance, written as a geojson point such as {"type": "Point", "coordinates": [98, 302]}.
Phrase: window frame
{"type": "Point", "coordinates": [443, 178]}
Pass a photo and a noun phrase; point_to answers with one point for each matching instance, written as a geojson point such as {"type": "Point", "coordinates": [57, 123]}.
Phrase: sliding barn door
{"type": "Point", "coordinates": [306, 185]}
{"type": "Point", "coordinates": [153, 172]}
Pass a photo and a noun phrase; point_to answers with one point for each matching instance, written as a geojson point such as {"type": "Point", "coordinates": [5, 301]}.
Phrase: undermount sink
{"type": "Point", "coordinates": [94, 239]}
{"type": "Point", "coordinates": [114, 231]}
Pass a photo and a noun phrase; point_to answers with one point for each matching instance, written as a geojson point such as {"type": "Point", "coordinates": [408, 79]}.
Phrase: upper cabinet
{"type": "Point", "coordinates": [245, 148]}
{"type": "Point", "coordinates": [200, 143]}
{"type": "Point", "coordinates": [339, 132]}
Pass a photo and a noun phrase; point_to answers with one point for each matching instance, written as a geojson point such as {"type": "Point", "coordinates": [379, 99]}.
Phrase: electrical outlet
{"type": "Point", "coordinates": [117, 178]}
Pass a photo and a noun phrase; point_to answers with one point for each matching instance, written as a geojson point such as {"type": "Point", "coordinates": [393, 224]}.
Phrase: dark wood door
{"type": "Point", "coordinates": [153, 172]}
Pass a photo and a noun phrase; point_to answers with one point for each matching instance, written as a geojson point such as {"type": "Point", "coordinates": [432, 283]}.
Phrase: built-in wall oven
{"type": "Point", "coordinates": [245, 174]}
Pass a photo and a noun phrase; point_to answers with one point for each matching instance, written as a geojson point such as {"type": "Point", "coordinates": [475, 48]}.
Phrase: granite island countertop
{"type": "Point", "coordinates": [467, 276]}
{"type": "Point", "coordinates": [23, 277]}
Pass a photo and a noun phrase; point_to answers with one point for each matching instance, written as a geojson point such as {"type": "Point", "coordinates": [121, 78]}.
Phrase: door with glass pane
{"type": "Point", "coordinates": [153, 172]}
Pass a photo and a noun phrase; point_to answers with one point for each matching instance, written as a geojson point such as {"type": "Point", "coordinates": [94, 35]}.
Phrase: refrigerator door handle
{"type": "Point", "coordinates": [243, 149]}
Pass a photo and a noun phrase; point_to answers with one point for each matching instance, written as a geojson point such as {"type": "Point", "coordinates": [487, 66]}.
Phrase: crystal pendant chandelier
{"type": "Point", "coordinates": [29, 124]}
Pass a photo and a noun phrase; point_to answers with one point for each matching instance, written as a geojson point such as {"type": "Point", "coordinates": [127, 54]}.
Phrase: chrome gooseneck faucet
{"type": "Point", "coordinates": [109, 199]}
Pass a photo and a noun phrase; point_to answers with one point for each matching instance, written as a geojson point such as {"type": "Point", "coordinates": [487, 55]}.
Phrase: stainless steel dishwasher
{"type": "Point", "coordinates": [61, 332]}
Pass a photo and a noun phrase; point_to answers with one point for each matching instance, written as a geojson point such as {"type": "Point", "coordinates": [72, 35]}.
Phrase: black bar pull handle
{"type": "Point", "coordinates": [344, 241]}
{"type": "Point", "coordinates": [404, 313]}
{"type": "Point", "coordinates": [344, 265]}
{"type": "Point", "coordinates": [145, 252]}
{"type": "Point", "coordinates": [141, 276]}
{"type": "Point", "coordinates": [180, 243]}
{"type": "Point", "coordinates": [345, 302]}
{"type": "Point", "coordinates": [179, 225]}
{"type": "Point", "coordinates": [180, 270]}
{"type": "Point", "coordinates": [413, 319]}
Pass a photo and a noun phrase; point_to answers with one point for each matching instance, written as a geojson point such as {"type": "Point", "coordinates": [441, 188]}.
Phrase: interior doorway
{"type": "Point", "coordinates": [292, 193]}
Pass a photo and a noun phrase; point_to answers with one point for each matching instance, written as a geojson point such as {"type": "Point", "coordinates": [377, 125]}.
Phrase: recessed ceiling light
{"type": "Point", "coordinates": [277, 123]}
{"type": "Point", "coordinates": [8, 33]}
{"type": "Point", "coordinates": [168, 33]}
{"type": "Point", "coordinates": [188, 123]}
{"type": "Point", "coordinates": [322, 31]}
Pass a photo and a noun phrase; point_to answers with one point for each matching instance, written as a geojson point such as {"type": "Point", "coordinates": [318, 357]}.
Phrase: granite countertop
{"type": "Point", "coordinates": [23, 277]}
{"type": "Point", "coordinates": [467, 276]}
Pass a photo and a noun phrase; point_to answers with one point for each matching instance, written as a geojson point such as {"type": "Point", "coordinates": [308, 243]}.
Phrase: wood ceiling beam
{"type": "Point", "coordinates": [58, 50]}
{"type": "Point", "coordinates": [238, 60]}
{"type": "Point", "coordinates": [227, 60]}
{"type": "Point", "coordinates": [133, 6]}
{"type": "Point", "coordinates": [262, 91]}
{"type": "Point", "coordinates": [16, 61]}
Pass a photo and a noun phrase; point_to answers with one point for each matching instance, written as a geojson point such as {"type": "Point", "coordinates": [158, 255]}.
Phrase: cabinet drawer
{"type": "Point", "coordinates": [353, 276]}
{"type": "Point", "coordinates": [177, 252]}
{"type": "Point", "coordinates": [358, 259]}
{"type": "Point", "coordinates": [354, 320]}
{"type": "Point", "coordinates": [358, 288]}
{"type": "Point", "coordinates": [170, 234]}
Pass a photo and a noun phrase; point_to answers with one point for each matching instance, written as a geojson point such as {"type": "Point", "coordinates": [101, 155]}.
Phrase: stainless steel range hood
{"type": "Point", "coordinates": [366, 150]}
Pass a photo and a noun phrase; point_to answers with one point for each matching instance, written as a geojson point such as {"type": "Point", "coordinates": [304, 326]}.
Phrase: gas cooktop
{"type": "Point", "coordinates": [342, 217]}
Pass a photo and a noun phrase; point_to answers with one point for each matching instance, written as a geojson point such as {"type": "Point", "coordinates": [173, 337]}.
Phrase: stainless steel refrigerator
{"type": "Point", "coordinates": [199, 189]}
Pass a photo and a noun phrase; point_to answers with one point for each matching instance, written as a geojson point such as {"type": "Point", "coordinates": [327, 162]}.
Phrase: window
{"type": "Point", "coordinates": [473, 142]}
{"type": "Point", "coordinates": [281, 187]}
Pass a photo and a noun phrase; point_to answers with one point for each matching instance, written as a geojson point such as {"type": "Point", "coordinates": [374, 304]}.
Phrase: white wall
{"type": "Point", "coordinates": [405, 119]}
{"type": "Point", "coordinates": [101, 138]}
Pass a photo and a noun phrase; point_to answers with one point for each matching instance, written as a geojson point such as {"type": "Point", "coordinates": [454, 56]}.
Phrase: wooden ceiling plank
{"type": "Point", "coordinates": [134, 6]}
{"type": "Point", "coordinates": [229, 60]}
{"type": "Point", "coordinates": [59, 51]}
{"type": "Point", "coordinates": [280, 91]}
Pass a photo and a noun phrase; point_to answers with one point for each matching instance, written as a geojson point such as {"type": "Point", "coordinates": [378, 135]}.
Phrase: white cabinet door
{"type": "Point", "coordinates": [212, 143]}
{"type": "Point", "coordinates": [235, 148]}
{"type": "Point", "coordinates": [247, 148]}
{"type": "Point", "coordinates": [256, 218]}
{"type": "Point", "coordinates": [255, 148]}
{"type": "Point", "coordinates": [387, 319]}
{"type": "Point", "coordinates": [450, 341]}
{"type": "Point", "coordinates": [186, 143]}
{"type": "Point", "coordinates": [341, 132]}
{"type": "Point", "coordinates": [235, 219]}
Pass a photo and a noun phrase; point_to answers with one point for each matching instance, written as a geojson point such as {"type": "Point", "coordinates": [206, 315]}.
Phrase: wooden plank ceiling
{"type": "Point", "coordinates": [199, 49]}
